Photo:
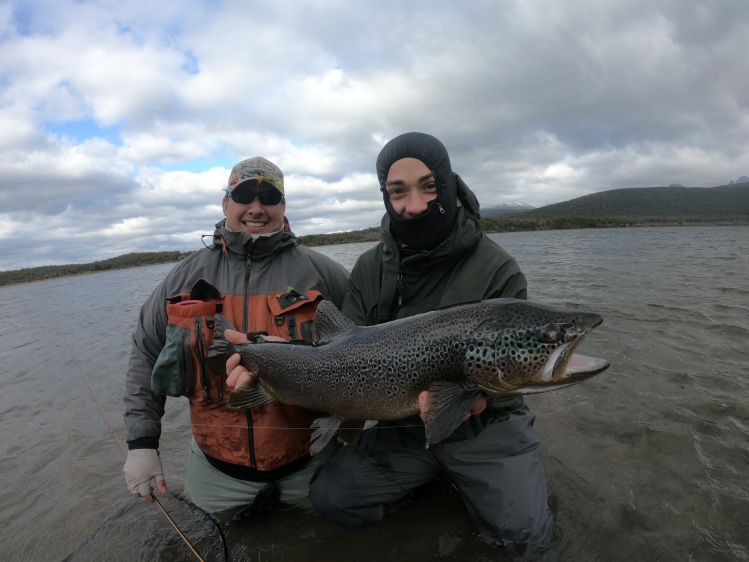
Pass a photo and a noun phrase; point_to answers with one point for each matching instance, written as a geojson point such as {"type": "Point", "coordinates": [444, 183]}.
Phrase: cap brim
{"type": "Point", "coordinates": [259, 180]}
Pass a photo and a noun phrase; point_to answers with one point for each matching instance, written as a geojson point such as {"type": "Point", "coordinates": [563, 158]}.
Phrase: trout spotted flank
{"type": "Point", "coordinates": [495, 347]}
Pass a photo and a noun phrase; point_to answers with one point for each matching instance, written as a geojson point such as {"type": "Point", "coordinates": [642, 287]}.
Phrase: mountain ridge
{"type": "Point", "coordinates": [634, 206]}
{"type": "Point", "coordinates": [724, 202]}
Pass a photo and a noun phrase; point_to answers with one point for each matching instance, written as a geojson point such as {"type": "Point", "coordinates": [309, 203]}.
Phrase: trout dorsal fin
{"type": "Point", "coordinates": [329, 322]}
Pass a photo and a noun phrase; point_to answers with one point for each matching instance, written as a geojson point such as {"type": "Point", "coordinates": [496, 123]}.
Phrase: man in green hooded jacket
{"type": "Point", "coordinates": [433, 254]}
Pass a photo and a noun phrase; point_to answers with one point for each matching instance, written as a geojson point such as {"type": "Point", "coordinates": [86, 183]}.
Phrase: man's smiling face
{"type": "Point", "coordinates": [253, 217]}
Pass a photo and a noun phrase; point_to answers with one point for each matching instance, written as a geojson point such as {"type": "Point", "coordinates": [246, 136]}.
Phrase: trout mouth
{"type": "Point", "coordinates": [565, 366]}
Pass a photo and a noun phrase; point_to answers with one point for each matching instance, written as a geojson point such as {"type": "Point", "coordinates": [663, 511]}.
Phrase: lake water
{"type": "Point", "coordinates": [649, 461]}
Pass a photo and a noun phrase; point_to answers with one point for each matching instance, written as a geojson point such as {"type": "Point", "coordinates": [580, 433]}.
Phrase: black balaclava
{"type": "Point", "coordinates": [429, 229]}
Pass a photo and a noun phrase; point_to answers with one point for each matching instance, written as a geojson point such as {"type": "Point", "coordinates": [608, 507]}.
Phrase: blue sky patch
{"type": "Point", "coordinates": [23, 18]}
{"type": "Point", "coordinates": [81, 130]}
{"type": "Point", "coordinates": [190, 64]}
{"type": "Point", "coordinates": [197, 165]}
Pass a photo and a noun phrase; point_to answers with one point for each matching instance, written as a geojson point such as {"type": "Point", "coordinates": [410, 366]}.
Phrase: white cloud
{"type": "Point", "coordinates": [125, 118]}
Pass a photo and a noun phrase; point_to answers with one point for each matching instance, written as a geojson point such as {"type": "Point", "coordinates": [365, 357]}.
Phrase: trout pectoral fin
{"type": "Point", "coordinates": [323, 430]}
{"type": "Point", "coordinates": [249, 397]}
{"type": "Point", "coordinates": [446, 407]}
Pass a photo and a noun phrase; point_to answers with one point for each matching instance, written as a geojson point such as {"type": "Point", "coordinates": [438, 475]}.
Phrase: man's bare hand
{"type": "Point", "coordinates": [237, 374]}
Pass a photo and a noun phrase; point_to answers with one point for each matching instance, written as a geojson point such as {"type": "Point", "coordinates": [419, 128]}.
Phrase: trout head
{"type": "Point", "coordinates": [524, 348]}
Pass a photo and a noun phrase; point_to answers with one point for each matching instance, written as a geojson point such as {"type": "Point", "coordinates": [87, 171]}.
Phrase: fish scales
{"type": "Point", "coordinates": [371, 373]}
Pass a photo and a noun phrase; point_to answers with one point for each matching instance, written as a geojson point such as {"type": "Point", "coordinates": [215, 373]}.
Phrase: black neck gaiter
{"type": "Point", "coordinates": [424, 232]}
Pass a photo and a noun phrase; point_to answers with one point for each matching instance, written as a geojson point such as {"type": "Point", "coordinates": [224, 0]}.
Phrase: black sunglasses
{"type": "Point", "coordinates": [266, 192]}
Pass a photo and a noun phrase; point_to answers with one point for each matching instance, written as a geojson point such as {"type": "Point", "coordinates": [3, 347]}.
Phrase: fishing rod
{"type": "Point", "coordinates": [155, 502]}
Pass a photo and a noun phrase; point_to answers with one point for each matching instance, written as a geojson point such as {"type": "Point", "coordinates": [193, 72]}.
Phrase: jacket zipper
{"type": "Point", "coordinates": [399, 290]}
{"type": "Point", "coordinates": [250, 438]}
{"type": "Point", "coordinates": [245, 328]}
{"type": "Point", "coordinates": [246, 303]}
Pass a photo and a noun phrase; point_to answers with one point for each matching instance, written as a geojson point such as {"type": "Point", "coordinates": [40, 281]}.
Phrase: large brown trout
{"type": "Point", "coordinates": [495, 347]}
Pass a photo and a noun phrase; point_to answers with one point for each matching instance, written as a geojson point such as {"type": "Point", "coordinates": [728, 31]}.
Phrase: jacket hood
{"type": "Point", "coordinates": [467, 198]}
{"type": "Point", "coordinates": [431, 228]}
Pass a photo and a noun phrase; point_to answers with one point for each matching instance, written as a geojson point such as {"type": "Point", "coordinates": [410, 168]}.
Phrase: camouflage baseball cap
{"type": "Point", "coordinates": [257, 168]}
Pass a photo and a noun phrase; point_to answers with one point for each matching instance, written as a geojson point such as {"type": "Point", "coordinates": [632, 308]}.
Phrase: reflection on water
{"type": "Point", "coordinates": [648, 461]}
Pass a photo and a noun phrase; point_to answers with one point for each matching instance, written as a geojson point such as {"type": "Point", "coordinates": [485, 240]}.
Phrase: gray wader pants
{"type": "Point", "coordinates": [213, 491]}
{"type": "Point", "coordinates": [498, 471]}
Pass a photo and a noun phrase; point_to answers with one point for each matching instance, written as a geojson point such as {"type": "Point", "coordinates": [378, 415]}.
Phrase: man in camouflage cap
{"type": "Point", "coordinates": [251, 178]}
{"type": "Point", "coordinates": [253, 265]}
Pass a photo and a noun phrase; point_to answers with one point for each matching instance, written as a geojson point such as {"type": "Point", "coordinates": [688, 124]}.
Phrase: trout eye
{"type": "Point", "coordinates": [554, 333]}
{"type": "Point", "coordinates": [550, 333]}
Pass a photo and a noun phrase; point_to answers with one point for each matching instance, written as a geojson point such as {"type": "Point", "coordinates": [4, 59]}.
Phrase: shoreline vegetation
{"type": "Point", "coordinates": [491, 225]}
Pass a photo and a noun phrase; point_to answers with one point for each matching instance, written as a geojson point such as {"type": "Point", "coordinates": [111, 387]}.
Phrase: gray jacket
{"type": "Point", "coordinates": [264, 266]}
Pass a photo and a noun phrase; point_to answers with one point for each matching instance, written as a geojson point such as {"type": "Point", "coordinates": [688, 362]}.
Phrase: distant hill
{"type": "Point", "coordinates": [635, 206]}
{"type": "Point", "coordinates": [509, 208]}
{"type": "Point", "coordinates": [371, 234]}
{"type": "Point", "coordinates": [119, 262]}
{"type": "Point", "coordinates": [703, 204]}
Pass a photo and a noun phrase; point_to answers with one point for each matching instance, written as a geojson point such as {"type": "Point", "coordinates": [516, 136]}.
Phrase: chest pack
{"type": "Point", "coordinates": [189, 333]}
{"type": "Point", "coordinates": [182, 369]}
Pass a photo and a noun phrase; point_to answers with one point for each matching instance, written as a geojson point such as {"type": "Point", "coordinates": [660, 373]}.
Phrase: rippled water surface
{"type": "Point", "coordinates": [649, 461]}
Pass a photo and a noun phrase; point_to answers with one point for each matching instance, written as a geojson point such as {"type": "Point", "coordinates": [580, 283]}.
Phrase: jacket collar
{"type": "Point", "coordinates": [239, 245]}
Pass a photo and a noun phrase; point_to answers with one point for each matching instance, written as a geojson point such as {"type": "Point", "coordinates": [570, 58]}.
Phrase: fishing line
{"type": "Point", "coordinates": [155, 502]}
{"type": "Point", "coordinates": [405, 426]}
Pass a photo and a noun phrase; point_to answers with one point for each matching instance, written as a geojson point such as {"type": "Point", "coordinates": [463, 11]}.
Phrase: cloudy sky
{"type": "Point", "coordinates": [119, 121]}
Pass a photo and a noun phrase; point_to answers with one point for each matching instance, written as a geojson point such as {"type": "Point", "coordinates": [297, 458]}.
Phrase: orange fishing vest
{"type": "Point", "coordinates": [264, 438]}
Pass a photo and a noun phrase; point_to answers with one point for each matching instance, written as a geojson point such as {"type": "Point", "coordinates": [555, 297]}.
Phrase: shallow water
{"type": "Point", "coordinates": [646, 462]}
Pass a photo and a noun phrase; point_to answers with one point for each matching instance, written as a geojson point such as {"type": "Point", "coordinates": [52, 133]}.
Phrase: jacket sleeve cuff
{"type": "Point", "coordinates": [143, 443]}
